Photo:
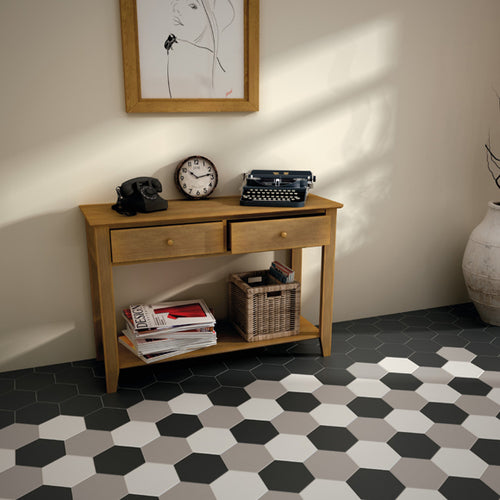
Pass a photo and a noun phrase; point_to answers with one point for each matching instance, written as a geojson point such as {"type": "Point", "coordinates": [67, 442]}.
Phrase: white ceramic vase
{"type": "Point", "coordinates": [481, 266]}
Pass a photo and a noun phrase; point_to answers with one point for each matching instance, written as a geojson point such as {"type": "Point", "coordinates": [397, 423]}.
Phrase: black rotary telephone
{"type": "Point", "coordinates": [139, 195]}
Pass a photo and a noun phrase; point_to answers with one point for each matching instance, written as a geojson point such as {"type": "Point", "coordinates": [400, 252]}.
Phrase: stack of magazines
{"type": "Point", "coordinates": [160, 331]}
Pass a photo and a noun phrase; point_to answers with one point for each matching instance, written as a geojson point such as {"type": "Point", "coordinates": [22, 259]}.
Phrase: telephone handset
{"type": "Point", "coordinates": [139, 195]}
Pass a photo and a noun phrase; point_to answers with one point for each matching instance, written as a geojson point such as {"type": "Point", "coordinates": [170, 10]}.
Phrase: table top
{"type": "Point", "coordinates": [179, 211]}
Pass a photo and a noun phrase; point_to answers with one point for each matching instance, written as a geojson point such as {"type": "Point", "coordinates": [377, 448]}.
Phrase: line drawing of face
{"type": "Point", "coordinates": [190, 20]}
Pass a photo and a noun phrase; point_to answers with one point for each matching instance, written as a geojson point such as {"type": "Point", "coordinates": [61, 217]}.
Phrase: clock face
{"type": "Point", "coordinates": [196, 177]}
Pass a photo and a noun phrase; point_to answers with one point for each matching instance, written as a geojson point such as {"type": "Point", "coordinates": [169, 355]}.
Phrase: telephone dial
{"type": "Point", "coordinates": [139, 195]}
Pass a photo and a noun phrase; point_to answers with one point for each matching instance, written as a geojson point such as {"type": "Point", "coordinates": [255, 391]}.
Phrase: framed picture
{"type": "Point", "coordinates": [190, 55]}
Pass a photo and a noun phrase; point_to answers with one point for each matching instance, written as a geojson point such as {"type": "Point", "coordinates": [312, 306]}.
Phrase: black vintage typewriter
{"type": "Point", "coordinates": [276, 188]}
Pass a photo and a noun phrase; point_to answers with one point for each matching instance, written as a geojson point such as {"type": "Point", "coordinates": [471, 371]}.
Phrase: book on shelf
{"type": "Point", "coordinates": [282, 272]}
{"type": "Point", "coordinates": [159, 331]}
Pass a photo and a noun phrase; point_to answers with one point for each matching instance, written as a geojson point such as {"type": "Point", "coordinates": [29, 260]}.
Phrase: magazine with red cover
{"type": "Point", "coordinates": [169, 315]}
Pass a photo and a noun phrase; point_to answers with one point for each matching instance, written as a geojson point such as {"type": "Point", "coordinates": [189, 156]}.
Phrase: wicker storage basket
{"type": "Point", "coordinates": [266, 310]}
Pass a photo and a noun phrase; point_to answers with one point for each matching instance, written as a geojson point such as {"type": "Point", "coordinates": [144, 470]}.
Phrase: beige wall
{"type": "Point", "coordinates": [388, 102]}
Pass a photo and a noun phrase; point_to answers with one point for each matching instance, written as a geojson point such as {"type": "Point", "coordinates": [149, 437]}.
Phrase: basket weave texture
{"type": "Point", "coordinates": [269, 310]}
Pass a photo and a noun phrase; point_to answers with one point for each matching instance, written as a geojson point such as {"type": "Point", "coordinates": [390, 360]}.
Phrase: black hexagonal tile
{"type": "Point", "coordinates": [235, 378]}
{"type": "Point", "coordinates": [412, 445]}
{"type": "Point", "coordinates": [130, 496]}
{"type": "Point", "coordinates": [360, 355]}
{"type": "Point", "coordinates": [332, 438]}
{"type": "Point", "coordinates": [162, 391]}
{"type": "Point", "coordinates": [80, 406]}
{"type": "Point", "coordinates": [444, 413]}
{"type": "Point", "coordinates": [483, 349]}
{"type": "Point", "coordinates": [463, 488]}
{"type": "Point", "coordinates": [290, 477]}
{"type": "Point", "coordinates": [298, 401]}
{"type": "Point", "coordinates": [74, 375]}
{"type": "Point", "coordinates": [423, 345]}
{"type": "Point", "coordinates": [371, 484]}
{"type": "Point", "coordinates": [56, 393]}
{"type": "Point", "coordinates": [229, 396]}
{"type": "Point", "coordinates": [179, 425]}
{"type": "Point", "coordinates": [118, 460]}
{"type": "Point", "coordinates": [270, 371]}
{"type": "Point", "coordinates": [34, 381]}
{"type": "Point", "coordinates": [472, 386]}
{"type": "Point", "coordinates": [199, 384]}
{"type": "Point", "coordinates": [6, 418]}
{"type": "Point", "coordinates": [37, 413]}
{"type": "Point", "coordinates": [13, 400]}
{"type": "Point", "coordinates": [208, 367]}
{"type": "Point", "coordinates": [336, 360]}
{"type": "Point", "coordinates": [106, 419]}
{"type": "Point", "coordinates": [138, 378]}
{"type": "Point", "coordinates": [370, 407]}
{"type": "Point", "coordinates": [430, 359]}
{"type": "Point", "coordinates": [488, 450]}
{"type": "Point", "coordinates": [487, 363]}
{"type": "Point", "coordinates": [123, 398]}
{"type": "Point", "coordinates": [450, 340]}
{"type": "Point", "coordinates": [171, 372]}
{"type": "Point", "coordinates": [254, 431]}
{"type": "Point", "coordinates": [46, 492]}
{"type": "Point", "coordinates": [304, 365]}
{"type": "Point", "coordinates": [334, 376]}
{"type": "Point", "coordinates": [242, 361]}
{"type": "Point", "coordinates": [200, 468]}
{"type": "Point", "coordinates": [401, 381]}
{"type": "Point", "coordinates": [395, 351]}
{"type": "Point", "coordinates": [39, 453]}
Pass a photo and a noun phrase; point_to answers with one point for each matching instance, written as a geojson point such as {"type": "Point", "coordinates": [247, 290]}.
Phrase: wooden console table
{"type": "Point", "coordinates": [203, 228]}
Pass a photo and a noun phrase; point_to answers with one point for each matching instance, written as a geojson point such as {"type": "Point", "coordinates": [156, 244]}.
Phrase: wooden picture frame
{"type": "Point", "coordinates": [138, 96]}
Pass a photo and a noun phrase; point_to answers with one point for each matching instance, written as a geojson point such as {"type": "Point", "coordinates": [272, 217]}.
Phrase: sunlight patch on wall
{"type": "Point", "coordinates": [20, 343]}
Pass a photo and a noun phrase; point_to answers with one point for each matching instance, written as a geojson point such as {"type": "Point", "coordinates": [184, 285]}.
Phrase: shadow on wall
{"type": "Point", "coordinates": [45, 291]}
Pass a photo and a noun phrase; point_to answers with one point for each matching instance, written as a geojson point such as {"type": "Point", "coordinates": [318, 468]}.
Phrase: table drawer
{"type": "Point", "coordinates": [258, 236]}
{"type": "Point", "coordinates": [163, 242]}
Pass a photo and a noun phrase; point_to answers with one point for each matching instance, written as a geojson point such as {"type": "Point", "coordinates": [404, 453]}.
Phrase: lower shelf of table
{"type": "Point", "coordinates": [228, 340]}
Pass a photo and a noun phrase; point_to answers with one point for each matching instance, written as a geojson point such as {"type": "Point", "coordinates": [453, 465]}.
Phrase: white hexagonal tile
{"type": "Point", "coordinates": [68, 471]}
{"type": "Point", "coordinates": [324, 489]}
{"type": "Point", "coordinates": [297, 382]}
{"type": "Point", "coordinates": [189, 403]}
{"type": "Point", "coordinates": [333, 415]}
{"type": "Point", "coordinates": [211, 440]}
{"type": "Point", "coordinates": [373, 455]}
{"type": "Point", "coordinates": [459, 463]}
{"type": "Point", "coordinates": [483, 426]}
{"type": "Point", "coordinates": [369, 388]}
{"type": "Point", "coordinates": [463, 369]}
{"type": "Point", "coordinates": [456, 354]}
{"type": "Point", "coordinates": [409, 421]}
{"type": "Point", "coordinates": [151, 479]}
{"type": "Point", "coordinates": [260, 409]}
{"type": "Point", "coordinates": [290, 447]}
{"type": "Point", "coordinates": [238, 484]}
{"type": "Point", "coordinates": [398, 365]}
{"type": "Point", "coordinates": [62, 427]}
{"type": "Point", "coordinates": [135, 433]}
{"type": "Point", "coordinates": [439, 393]}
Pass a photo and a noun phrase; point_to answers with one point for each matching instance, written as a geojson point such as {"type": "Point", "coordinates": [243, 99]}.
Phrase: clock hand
{"type": "Point", "coordinates": [193, 174]}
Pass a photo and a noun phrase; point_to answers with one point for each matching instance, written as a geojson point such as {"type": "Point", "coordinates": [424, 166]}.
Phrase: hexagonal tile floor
{"type": "Point", "coordinates": [407, 407]}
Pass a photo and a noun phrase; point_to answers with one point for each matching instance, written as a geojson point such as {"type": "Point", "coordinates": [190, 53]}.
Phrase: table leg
{"type": "Point", "coordinates": [326, 300]}
{"type": "Point", "coordinates": [104, 305]}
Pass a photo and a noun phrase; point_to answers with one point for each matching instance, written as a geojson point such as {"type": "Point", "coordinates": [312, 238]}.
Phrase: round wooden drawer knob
{"type": "Point", "coordinates": [283, 234]}
{"type": "Point", "coordinates": [170, 242]}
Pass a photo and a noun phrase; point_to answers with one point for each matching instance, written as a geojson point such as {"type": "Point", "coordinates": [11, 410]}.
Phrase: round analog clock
{"type": "Point", "coordinates": [196, 177]}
